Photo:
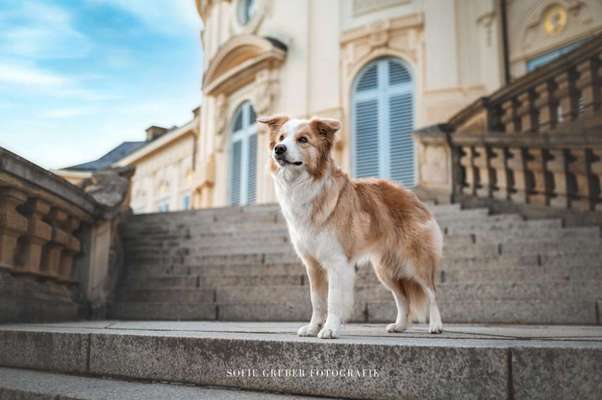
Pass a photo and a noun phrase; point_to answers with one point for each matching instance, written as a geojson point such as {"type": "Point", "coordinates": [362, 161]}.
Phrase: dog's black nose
{"type": "Point", "coordinates": [280, 149]}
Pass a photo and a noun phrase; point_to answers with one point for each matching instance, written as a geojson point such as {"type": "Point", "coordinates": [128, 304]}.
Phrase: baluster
{"type": "Point", "coordinates": [547, 105]}
{"type": "Point", "coordinates": [12, 224]}
{"type": "Point", "coordinates": [582, 159]}
{"type": "Point", "coordinates": [527, 112]}
{"type": "Point", "coordinates": [482, 164]}
{"type": "Point", "coordinates": [517, 164]}
{"type": "Point", "coordinates": [471, 173]}
{"type": "Point", "coordinates": [71, 249]}
{"type": "Point", "coordinates": [538, 189]}
{"type": "Point", "coordinates": [38, 234]}
{"type": "Point", "coordinates": [568, 97]}
{"type": "Point", "coordinates": [509, 119]}
{"type": "Point", "coordinates": [558, 166]}
{"type": "Point", "coordinates": [499, 163]}
{"type": "Point", "coordinates": [596, 171]}
{"type": "Point", "coordinates": [587, 71]}
{"type": "Point", "coordinates": [52, 250]}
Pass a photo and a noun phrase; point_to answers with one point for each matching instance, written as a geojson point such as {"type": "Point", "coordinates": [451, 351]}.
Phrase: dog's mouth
{"type": "Point", "coordinates": [283, 162]}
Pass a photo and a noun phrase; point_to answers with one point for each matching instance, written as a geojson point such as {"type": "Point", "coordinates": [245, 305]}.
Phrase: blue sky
{"type": "Point", "coordinates": [78, 77]}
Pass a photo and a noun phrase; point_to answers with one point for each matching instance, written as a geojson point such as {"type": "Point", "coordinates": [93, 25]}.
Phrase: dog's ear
{"type": "Point", "coordinates": [325, 126]}
{"type": "Point", "coordinates": [274, 121]}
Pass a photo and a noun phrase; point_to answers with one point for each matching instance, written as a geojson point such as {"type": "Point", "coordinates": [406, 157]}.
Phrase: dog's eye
{"type": "Point", "coordinates": [281, 138]}
{"type": "Point", "coordinates": [302, 139]}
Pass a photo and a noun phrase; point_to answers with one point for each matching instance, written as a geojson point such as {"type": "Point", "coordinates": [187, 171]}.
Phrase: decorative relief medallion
{"type": "Point", "coordinates": [555, 19]}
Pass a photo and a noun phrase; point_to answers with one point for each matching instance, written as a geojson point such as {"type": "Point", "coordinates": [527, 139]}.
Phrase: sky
{"type": "Point", "coordinates": [78, 77]}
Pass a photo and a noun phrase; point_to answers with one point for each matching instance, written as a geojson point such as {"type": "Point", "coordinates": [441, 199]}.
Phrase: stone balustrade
{"type": "Point", "coordinates": [536, 141]}
{"type": "Point", "coordinates": [38, 232]}
{"type": "Point", "coordinates": [55, 244]}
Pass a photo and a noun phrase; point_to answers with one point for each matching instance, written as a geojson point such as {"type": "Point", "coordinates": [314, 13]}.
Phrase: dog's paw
{"type": "Point", "coordinates": [392, 328]}
{"type": "Point", "coordinates": [327, 333]}
{"type": "Point", "coordinates": [308, 330]}
{"type": "Point", "coordinates": [436, 328]}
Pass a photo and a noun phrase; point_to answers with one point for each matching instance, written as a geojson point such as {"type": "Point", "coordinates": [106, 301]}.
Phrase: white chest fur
{"type": "Point", "coordinates": [296, 201]}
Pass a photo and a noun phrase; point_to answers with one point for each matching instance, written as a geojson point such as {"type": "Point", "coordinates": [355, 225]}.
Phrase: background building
{"type": "Point", "coordinates": [383, 67]}
{"type": "Point", "coordinates": [164, 163]}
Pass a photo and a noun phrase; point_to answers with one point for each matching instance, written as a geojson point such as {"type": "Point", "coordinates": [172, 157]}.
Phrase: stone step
{"type": "Point", "coordinates": [23, 384]}
{"type": "Point", "coordinates": [449, 292]}
{"type": "Point", "coordinates": [493, 311]}
{"type": "Point", "coordinates": [294, 274]}
{"type": "Point", "coordinates": [456, 246]}
{"type": "Point", "coordinates": [207, 281]}
{"type": "Point", "coordinates": [466, 361]}
{"type": "Point", "coordinates": [527, 236]}
{"type": "Point", "coordinates": [167, 228]}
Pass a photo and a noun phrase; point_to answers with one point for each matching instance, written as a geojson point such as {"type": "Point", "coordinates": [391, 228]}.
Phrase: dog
{"type": "Point", "coordinates": [336, 223]}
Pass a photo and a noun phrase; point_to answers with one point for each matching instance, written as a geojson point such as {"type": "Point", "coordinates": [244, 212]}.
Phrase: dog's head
{"type": "Point", "coordinates": [300, 144]}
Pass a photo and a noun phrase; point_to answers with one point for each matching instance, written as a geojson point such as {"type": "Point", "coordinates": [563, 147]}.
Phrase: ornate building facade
{"type": "Point", "coordinates": [383, 67]}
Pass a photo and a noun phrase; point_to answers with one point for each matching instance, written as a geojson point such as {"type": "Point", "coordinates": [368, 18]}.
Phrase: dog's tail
{"type": "Point", "coordinates": [417, 300]}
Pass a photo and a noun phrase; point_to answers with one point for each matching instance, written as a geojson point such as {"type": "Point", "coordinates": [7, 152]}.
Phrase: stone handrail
{"type": "Point", "coordinates": [41, 218]}
{"type": "Point", "coordinates": [536, 141]}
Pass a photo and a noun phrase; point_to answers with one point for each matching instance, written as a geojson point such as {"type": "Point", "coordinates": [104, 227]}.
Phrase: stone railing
{"type": "Point", "coordinates": [50, 245]}
{"type": "Point", "coordinates": [537, 141]}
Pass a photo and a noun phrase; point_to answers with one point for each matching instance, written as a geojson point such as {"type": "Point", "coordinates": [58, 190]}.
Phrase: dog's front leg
{"type": "Point", "coordinates": [318, 291]}
{"type": "Point", "coordinates": [340, 297]}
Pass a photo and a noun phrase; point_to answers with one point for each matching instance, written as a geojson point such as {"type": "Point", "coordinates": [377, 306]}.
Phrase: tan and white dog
{"type": "Point", "coordinates": [336, 223]}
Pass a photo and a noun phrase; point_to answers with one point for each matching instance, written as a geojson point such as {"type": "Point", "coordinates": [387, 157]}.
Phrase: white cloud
{"type": "Point", "coordinates": [29, 76]}
{"type": "Point", "coordinates": [65, 113]}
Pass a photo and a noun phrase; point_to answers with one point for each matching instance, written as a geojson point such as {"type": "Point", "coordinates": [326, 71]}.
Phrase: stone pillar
{"type": "Point", "coordinates": [557, 165]}
{"type": "Point", "coordinates": [588, 87]}
{"type": "Point", "coordinates": [499, 164]}
{"type": "Point", "coordinates": [517, 164]}
{"type": "Point", "coordinates": [53, 250]}
{"type": "Point", "coordinates": [38, 234]}
{"type": "Point", "coordinates": [12, 224]}
{"type": "Point", "coordinates": [436, 164]}
{"type": "Point", "coordinates": [536, 167]}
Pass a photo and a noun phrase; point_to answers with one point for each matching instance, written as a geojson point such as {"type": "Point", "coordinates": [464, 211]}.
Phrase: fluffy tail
{"type": "Point", "coordinates": [416, 298]}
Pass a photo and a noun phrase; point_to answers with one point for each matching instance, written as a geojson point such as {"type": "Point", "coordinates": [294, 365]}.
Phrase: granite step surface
{"type": "Point", "coordinates": [465, 361]}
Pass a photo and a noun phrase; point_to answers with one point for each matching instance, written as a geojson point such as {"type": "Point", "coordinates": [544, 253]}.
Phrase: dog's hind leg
{"type": "Point", "coordinates": [393, 284]}
{"type": "Point", "coordinates": [435, 323]}
{"type": "Point", "coordinates": [318, 286]}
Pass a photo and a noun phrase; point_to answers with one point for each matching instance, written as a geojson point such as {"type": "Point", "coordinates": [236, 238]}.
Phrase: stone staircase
{"type": "Point", "coordinates": [224, 271]}
{"type": "Point", "coordinates": [237, 264]}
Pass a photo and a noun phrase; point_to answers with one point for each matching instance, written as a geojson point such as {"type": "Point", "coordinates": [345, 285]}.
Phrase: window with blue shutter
{"type": "Point", "coordinates": [243, 156]}
{"type": "Point", "coordinates": [383, 120]}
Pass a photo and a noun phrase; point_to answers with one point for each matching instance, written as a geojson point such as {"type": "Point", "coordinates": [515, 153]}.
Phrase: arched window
{"type": "Point", "coordinates": [383, 120]}
{"type": "Point", "coordinates": [243, 156]}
